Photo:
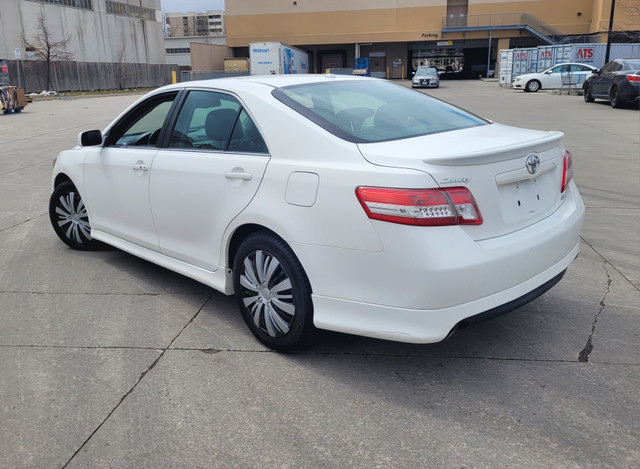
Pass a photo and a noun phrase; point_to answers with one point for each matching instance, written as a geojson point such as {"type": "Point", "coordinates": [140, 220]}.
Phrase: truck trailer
{"type": "Point", "coordinates": [276, 58]}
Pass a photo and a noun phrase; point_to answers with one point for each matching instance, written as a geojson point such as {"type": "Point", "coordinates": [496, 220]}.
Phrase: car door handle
{"type": "Point", "coordinates": [140, 167]}
{"type": "Point", "coordinates": [238, 175]}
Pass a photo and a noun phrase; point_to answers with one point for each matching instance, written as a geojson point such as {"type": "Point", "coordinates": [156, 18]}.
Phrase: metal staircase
{"type": "Point", "coordinates": [504, 21]}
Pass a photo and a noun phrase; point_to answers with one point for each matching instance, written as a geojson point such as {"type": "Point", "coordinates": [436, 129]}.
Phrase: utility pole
{"type": "Point", "coordinates": [613, 9]}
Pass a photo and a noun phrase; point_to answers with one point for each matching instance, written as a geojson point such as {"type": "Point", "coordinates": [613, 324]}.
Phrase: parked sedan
{"type": "Point", "coordinates": [617, 82]}
{"type": "Point", "coordinates": [342, 203]}
{"type": "Point", "coordinates": [551, 78]}
{"type": "Point", "coordinates": [426, 77]}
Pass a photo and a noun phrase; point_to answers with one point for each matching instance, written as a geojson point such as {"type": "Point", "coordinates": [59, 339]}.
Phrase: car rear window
{"type": "Point", "coordinates": [365, 111]}
{"type": "Point", "coordinates": [632, 64]}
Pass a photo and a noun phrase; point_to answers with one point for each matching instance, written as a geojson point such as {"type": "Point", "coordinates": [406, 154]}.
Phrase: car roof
{"type": "Point", "coordinates": [263, 81]}
{"type": "Point", "coordinates": [572, 63]}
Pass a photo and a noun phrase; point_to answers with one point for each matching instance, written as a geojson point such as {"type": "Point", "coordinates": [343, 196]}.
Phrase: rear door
{"type": "Point", "coordinates": [210, 168]}
{"type": "Point", "coordinates": [601, 82]}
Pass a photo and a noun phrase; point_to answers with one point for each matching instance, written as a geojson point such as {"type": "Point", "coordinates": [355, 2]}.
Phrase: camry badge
{"type": "Point", "coordinates": [533, 163]}
{"type": "Point", "coordinates": [460, 180]}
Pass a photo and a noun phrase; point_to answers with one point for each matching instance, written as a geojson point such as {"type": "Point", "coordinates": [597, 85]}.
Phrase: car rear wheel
{"type": "Point", "coordinates": [532, 86]}
{"type": "Point", "coordinates": [615, 98]}
{"type": "Point", "coordinates": [587, 94]}
{"type": "Point", "coordinates": [273, 292]}
{"type": "Point", "coordinates": [69, 218]}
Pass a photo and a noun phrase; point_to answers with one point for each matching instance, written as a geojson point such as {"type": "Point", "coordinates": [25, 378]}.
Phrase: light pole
{"type": "Point", "coordinates": [613, 8]}
{"type": "Point", "coordinates": [17, 54]}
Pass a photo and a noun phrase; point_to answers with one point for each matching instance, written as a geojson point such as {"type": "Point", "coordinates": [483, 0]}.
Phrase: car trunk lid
{"type": "Point", "coordinates": [495, 162]}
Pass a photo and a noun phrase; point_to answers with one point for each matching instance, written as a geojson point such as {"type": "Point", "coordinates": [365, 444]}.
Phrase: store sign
{"type": "Point", "coordinates": [444, 43]}
{"type": "Point", "coordinates": [585, 53]}
{"type": "Point", "coordinates": [427, 53]}
{"type": "Point", "coordinates": [428, 35]}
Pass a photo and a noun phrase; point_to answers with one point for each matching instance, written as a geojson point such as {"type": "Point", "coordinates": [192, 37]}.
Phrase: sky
{"type": "Point", "coordinates": [191, 5]}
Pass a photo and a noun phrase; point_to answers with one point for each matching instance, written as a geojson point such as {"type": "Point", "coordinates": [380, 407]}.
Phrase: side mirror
{"type": "Point", "coordinates": [596, 71]}
{"type": "Point", "coordinates": [90, 138]}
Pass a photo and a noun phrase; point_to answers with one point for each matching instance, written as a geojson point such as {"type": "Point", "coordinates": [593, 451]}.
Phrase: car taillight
{"type": "Point", "coordinates": [567, 170]}
{"type": "Point", "coordinates": [421, 207]}
{"type": "Point", "coordinates": [633, 78]}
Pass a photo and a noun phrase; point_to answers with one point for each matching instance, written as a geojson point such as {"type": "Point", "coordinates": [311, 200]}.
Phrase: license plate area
{"type": "Point", "coordinates": [528, 198]}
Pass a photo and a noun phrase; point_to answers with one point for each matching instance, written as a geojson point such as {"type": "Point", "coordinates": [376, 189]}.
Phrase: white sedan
{"type": "Point", "coordinates": [551, 78]}
{"type": "Point", "coordinates": [341, 203]}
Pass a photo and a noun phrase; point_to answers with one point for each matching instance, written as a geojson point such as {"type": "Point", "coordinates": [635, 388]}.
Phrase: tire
{"type": "Point", "coordinates": [69, 218]}
{"type": "Point", "coordinates": [587, 94]}
{"type": "Point", "coordinates": [533, 86]}
{"type": "Point", "coordinates": [615, 98]}
{"type": "Point", "coordinates": [273, 292]}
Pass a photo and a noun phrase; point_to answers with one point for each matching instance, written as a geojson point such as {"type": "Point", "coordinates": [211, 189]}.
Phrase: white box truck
{"type": "Point", "coordinates": [276, 58]}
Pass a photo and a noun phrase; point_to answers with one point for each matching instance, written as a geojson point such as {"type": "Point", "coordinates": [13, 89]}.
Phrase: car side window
{"type": "Point", "coordinates": [245, 136]}
{"type": "Point", "coordinates": [142, 126]}
{"type": "Point", "coordinates": [579, 68]}
{"type": "Point", "coordinates": [610, 67]}
{"type": "Point", "coordinates": [556, 69]}
{"type": "Point", "coordinates": [205, 121]}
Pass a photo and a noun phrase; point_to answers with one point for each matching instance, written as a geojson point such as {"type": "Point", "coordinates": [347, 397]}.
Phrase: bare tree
{"type": "Point", "coordinates": [45, 46]}
{"type": "Point", "coordinates": [628, 13]}
{"type": "Point", "coordinates": [120, 56]}
{"type": "Point", "coordinates": [168, 30]}
{"type": "Point", "coordinates": [201, 24]}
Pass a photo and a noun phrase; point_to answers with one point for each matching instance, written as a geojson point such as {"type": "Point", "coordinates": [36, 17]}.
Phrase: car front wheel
{"type": "Point", "coordinates": [587, 94]}
{"type": "Point", "coordinates": [532, 86]}
{"type": "Point", "coordinates": [273, 292]}
{"type": "Point", "coordinates": [69, 218]}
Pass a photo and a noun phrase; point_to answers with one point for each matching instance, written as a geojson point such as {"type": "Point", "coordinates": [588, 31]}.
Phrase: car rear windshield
{"type": "Point", "coordinates": [632, 64]}
{"type": "Point", "coordinates": [366, 111]}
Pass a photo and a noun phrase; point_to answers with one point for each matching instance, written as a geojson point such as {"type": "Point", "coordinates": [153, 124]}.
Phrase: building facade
{"type": "Point", "coordinates": [458, 36]}
{"type": "Point", "coordinates": [105, 31]}
{"type": "Point", "coordinates": [179, 50]}
{"type": "Point", "coordinates": [209, 23]}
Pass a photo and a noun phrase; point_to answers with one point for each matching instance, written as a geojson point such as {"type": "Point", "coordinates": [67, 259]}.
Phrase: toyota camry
{"type": "Point", "coordinates": [342, 203]}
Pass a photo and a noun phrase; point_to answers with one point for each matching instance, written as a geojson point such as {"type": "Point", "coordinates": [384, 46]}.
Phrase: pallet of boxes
{"type": "Point", "coordinates": [12, 98]}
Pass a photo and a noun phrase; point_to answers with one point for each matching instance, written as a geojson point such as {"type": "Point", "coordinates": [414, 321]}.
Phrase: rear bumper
{"type": "Point", "coordinates": [424, 282]}
{"type": "Point", "coordinates": [629, 92]}
{"type": "Point", "coordinates": [428, 326]}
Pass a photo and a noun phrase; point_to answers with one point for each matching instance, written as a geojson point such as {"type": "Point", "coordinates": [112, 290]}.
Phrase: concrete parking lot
{"type": "Point", "coordinates": [110, 361]}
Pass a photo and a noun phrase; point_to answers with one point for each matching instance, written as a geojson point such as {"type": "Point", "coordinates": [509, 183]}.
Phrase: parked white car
{"type": "Point", "coordinates": [551, 78]}
{"type": "Point", "coordinates": [345, 203]}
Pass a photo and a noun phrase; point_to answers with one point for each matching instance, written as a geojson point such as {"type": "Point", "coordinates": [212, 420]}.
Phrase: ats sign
{"type": "Point", "coordinates": [585, 53]}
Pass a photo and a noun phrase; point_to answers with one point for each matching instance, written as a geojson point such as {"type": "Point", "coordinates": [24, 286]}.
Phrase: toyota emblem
{"type": "Point", "coordinates": [533, 164]}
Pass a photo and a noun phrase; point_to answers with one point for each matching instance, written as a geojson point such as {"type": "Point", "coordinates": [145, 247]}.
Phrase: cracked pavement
{"type": "Point", "coordinates": [109, 361]}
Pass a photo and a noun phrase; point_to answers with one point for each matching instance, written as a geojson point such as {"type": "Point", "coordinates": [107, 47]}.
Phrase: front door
{"type": "Point", "coordinates": [209, 172]}
{"type": "Point", "coordinates": [552, 78]}
{"type": "Point", "coordinates": [117, 174]}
